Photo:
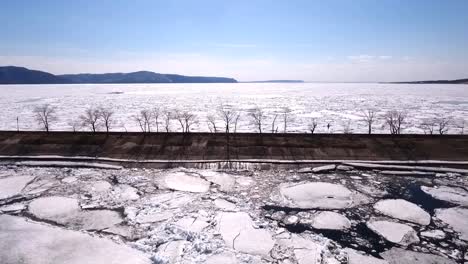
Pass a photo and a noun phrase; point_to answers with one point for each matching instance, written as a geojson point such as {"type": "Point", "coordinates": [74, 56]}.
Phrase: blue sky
{"type": "Point", "coordinates": [361, 40]}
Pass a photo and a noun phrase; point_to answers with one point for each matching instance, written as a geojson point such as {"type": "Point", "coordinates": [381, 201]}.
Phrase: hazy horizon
{"type": "Point", "coordinates": [333, 41]}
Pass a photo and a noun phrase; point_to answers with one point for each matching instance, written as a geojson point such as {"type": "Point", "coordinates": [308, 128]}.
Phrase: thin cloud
{"type": "Point", "coordinates": [368, 58]}
{"type": "Point", "coordinates": [233, 45]}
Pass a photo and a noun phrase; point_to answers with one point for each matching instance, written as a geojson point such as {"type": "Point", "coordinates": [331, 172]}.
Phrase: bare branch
{"type": "Point", "coordinates": [442, 124]}
{"type": "Point", "coordinates": [74, 124]}
{"type": "Point", "coordinates": [273, 128]}
{"type": "Point", "coordinates": [395, 121]}
{"type": "Point", "coordinates": [167, 117]}
{"type": "Point", "coordinates": [228, 114]}
{"type": "Point", "coordinates": [257, 118]}
{"type": "Point", "coordinates": [186, 120]}
{"type": "Point", "coordinates": [107, 117]}
{"type": "Point", "coordinates": [236, 120]}
{"type": "Point", "coordinates": [143, 118]}
{"type": "Point", "coordinates": [45, 114]}
{"type": "Point", "coordinates": [286, 113]}
{"type": "Point", "coordinates": [211, 122]}
{"type": "Point", "coordinates": [313, 125]}
{"type": "Point", "coordinates": [428, 126]}
{"type": "Point", "coordinates": [368, 117]}
{"type": "Point", "coordinates": [90, 119]}
{"type": "Point", "coordinates": [461, 125]}
{"type": "Point", "coordinates": [156, 114]}
{"type": "Point", "coordinates": [347, 127]}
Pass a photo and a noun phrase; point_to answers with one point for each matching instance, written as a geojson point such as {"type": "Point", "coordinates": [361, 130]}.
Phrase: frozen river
{"type": "Point", "coordinates": [337, 104]}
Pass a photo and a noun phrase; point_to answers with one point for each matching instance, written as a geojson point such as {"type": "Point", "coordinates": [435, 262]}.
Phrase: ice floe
{"type": "Point", "coordinates": [11, 187]}
{"type": "Point", "coordinates": [27, 242]}
{"type": "Point", "coordinates": [355, 257]}
{"type": "Point", "coordinates": [433, 234]}
{"type": "Point", "coordinates": [331, 221]}
{"type": "Point", "coordinates": [457, 218]}
{"type": "Point", "coordinates": [454, 195]}
{"type": "Point", "coordinates": [401, 256]}
{"type": "Point", "coordinates": [66, 211]}
{"type": "Point", "coordinates": [394, 232]}
{"type": "Point", "coordinates": [403, 210]}
{"type": "Point", "coordinates": [238, 233]}
{"type": "Point", "coordinates": [322, 195]}
{"type": "Point", "coordinates": [182, 181]}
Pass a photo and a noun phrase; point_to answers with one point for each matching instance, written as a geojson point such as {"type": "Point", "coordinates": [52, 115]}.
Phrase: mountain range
{"type": "Point", "coordinates": [458, 81]}
{"type": "Point", "coordinates": [21, 75]}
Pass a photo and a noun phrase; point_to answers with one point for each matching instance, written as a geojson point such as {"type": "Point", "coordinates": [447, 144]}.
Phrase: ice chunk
{"type": "Point", "coordinates": [331, 221]}
{"type": "Point", "coordinates": [321, 195]}
{"type": "Point", "coordinates": [181, 181]}
{"type": "Point", "coordinates": [455, 217]}
{"type": "Point", "coordinates": [27, 242]}
{"type": "Point", "coordinates": [450, 194]}
{"type": "Point", "coordinates": [401, 256]}
{"type": "Point", "coordinates": [394, 232]}
{"type": "Point", "coordinates": [324, 169]}
{"type": "Point", "coordinates": [12, 186]}
{"type": "Point", "coordinates": [403, 210]}
{"type": "Point", "coordinates": [355, 257]}
{"type": "Point", "coordinates": [238, 233]}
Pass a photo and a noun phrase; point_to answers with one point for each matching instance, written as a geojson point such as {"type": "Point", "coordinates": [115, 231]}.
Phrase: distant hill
{"type": "Point", "coordinates": [459, 81]}
{"type": "Point", "coordinates": [278, 81]}
{"type": "Point", "coordinates": [19, 75]}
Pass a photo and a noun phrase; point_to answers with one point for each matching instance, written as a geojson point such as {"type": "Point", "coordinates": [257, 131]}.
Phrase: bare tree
{"type": "Point", "coordinates": [186, 120]}
{"type": "Point", "coordinates": [313, 125]}
{"type": "Point", "coordinates": [74, 124]}
{"type": "Point", "coordinates": [347, 127]}
{"type": "Point", "coordinates": [167, 116]}
{"type": "Point", "coordinates": [428, 126]}
{"type": "Point", "coordinates": [211, 122]}
{"type": "Point", "coordinates": [257, 118]}
{"type": "Point", "coordinates": [45, 114]}
{"type": "Point", "coordinates": [329, 125]}
{"type": "Point", "coordinates": [229, 115]}
{"type": "Point", "coordinates": [156, 114]}
{"type": "Point", "coordinates": [368, 117]}
{"type": "Point", "coordinates": [236, 121]}
{"type": "Point", "coordinates": [143, 118]}
{"type": "Point", "coordinates": [461, 125]}
{"type": "Point", "coordinates": [395, 121]}
{"type": "Point", "coordinates": [273, 128]}
{"type": "Point", "coordinates": [90, 119]}
{"type": "Point", "coordinates": [442, 125]}
{"type": "Point", "coordinates": [107, 117]}
{"type": "Point", "coordinates": [286, 113]}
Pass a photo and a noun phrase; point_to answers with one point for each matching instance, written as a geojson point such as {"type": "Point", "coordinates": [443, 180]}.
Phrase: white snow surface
{"type": "Point", "coordinates": [333, 103]}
